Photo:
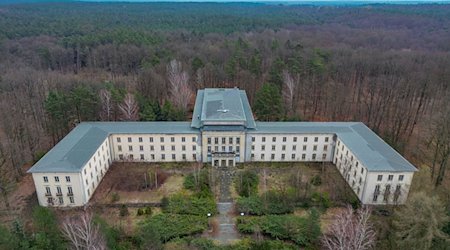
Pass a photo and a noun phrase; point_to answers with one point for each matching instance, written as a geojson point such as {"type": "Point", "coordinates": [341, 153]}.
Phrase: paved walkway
{"type": "Point", "coordinates": [226, 230]}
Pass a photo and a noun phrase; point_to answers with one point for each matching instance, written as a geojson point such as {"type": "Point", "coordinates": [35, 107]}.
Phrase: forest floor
{"type": "Point", "coordinates": [139, 183]}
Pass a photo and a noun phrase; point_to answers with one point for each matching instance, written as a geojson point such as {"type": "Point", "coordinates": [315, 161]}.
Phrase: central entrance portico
{"type": "Point", "coordinates": [223, 159]}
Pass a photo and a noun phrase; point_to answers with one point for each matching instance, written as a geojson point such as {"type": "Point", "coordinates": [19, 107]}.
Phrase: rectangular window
{"type": "Point", "coordinates": [272, 156]}
{"type": "Point", "coordinates": [295, 138]}
{"type": "Point", "coordinates": [61, 200]}
{"type": "Point", "coordinates": [56, 179]}
{"type": "Point", "coordinates": [230, 148]}
{"type": "Point", "coordinates": [400, 177]}
{"type": "Point", "coordinates": [162, 147]}
{"type": "Point", "coordinates": [216, 148]}
{"type": "Point", "coordinates": [183, 156]}
{"type": "Point", "coordinates": [380, 177]}
{"type": "Point", "coordinates": [142, 157]}
{"type": "Point", "coordinates": [324, 156]}
{"type": "Point", "coordinates": [316, 139]}
{"type": "Point", "coordinates": [120, 156]}
{"type": "Point", "coordinates": [173, 148]}
{"type": "Point", "coordinates": [223, 148]}
{"type": "Point", "coordinates": [48, 191]}
{"type": "Point", "coordinates": [238, 148]}
{"type": "Point", "coordinates": [216, 140]}
{"type": "Point", "coordinates": [183, 139]}
{"type": "Point", "coordinates": [67, 178]}
{"type": "Point", "coordinates": [315, 148]}
{"type": "Point", "coordinates": [193, 139]}
{"type": "Point", "coordinates": [119, 148]}
{"type": "Point", "coordinates": [390, 177]}
{"type": "Point", "coordinates": [194, 148]}
{"type": "Point", "coordinates": [273, 147]}
{"type": "Point", "coordinates": [326, 139]}
{"type": "Point", "coordinates": [263, 147]}
{"type": "Point", "coordinates": [293, 157]}
{"type": "Point", "coordinates": [141, 148]}
{"type": "Point", "coordinates": [172, 139]}
{"type": "Point", "coordinates": [264, 139]}
{"type": "Point", "coordinates": [72, 200]}
{"type": "Point", "coordinates": [253, 147]}
{"type": "Point", "coordinates": [209, 140]}
{"type": "Point", "coordinates": [161, 139]}
{"type": "Point", "coordinates": [152, 148]}
{"type": "Point", "coordinates": [283, 147]}
{"type": "Point", "coordinates": [224, 140]}
{"type": "Point", "coordinates": [282, 156]}
{"type": "Point", "coordinates": [118, 139]}
{"type": "Point", "coordinates": [131, 156]}
{"type": "Point", "coordinates": [303, 156]}
{"type": "Point", "coordinates": [130, 148]}
{"type": "Point", "coordinates": [284, 139]}
{"type": "Point", "coordinates": [163, 156]}
{"type": "Point", "coordinates": [129, 139]}
{"type": "Point", "coordinates": [238, 140]}
{"type": "Point", "coordinates": [304, 147]}
{"type": "Point", "coordinates": [152, 156]}
{"type": "Point", "coordinates": [253, 156]}
{"type": "Point", "coordinates": [209, 149]}
{"type": "Point", "coordinates": [140, 139]}
{"type": "Point", "coordinates": [305, 139]}
{"type": "Point", "coordinates": [262, 156]}
{"type": "Point", "coordinates": [69, 190]}
{"type": "Point", "coordinates": [274, 139]}
{"type": "Point", "coordinates": [151, 139]}
{"type": "Point", "coordinates": [58, 190]}
{"type": "Point", "coordinates": [45, 179]}
{"type": "Point", "coordinates": [294, 147]}
{"type": "Point", "coordinates": [313, 156]}
{"type": "Point", "coordinates": [253, 139]}
{"type": "Point", "coordinates": [173, 156]}
{"type": "Point", "coordinates": [183, 148]}
{"type": "Point", "coordinates": [194, 156]}
{"type": "Point", "coordinates": [325, 147]}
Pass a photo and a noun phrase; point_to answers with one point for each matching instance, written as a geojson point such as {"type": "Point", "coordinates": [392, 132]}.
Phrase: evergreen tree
{"type": "Point", "coordinates": [268, 103]}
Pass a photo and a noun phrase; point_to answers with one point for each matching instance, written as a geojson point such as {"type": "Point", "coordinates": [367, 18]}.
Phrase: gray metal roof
{"type": "Point", "coordinates": [370, 149]}
{"type": "Point", "coordinates": [75, 150]}
{"type": "Point", "coordinates": [222, 106]}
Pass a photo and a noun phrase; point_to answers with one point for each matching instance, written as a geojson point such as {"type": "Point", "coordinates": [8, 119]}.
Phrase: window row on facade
{"type": "Point", "coordinates": [223, 140]}
{"type": "Point", "coordinates": [59, 195]}
{"type": "Point", "coordinates": [388, 194]}
{"type": "Point", "coordinates": [293, 147]}
{"type": "Point", "coordinates": [291, 138]}
{"type": "Point", "coordinates": [282, 157]}
{"type": "Point", "coordinates": [152, 139]}
{"type": "Point", "coordinates": [161, 148]}
{"type": "Point", "coordinates": [153, 157]}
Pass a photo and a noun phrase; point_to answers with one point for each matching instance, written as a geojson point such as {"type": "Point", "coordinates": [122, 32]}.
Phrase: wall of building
{"type": "Point", "coordinates": [156, 147]}
{"type": "Point", "coordinates": [63, 181]}
{"type": "Point", "coordinates": [393, 188]}
{"type": "Point", "coordinates": [223, 141]}
{"type": "Point", "coordinates": [291, 147]}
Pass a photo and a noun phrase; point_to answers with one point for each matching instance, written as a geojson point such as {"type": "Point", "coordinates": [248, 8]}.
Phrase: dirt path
{"type": "Point", "coordinates": [226, 229]}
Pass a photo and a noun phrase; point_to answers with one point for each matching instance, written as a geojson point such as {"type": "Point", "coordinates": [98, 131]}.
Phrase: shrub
{"type": "Point", "coordinates": [321, 199]}
{"type": "Point", "coordinates": [140, 212]}
{"type": "Point", "coordinates": [123, 210]}
{"type": "Point", "coordinates": [316, 180]}
{"type": "Point", "coordinates": [200, 183]}
{"type": "Point", "coordinates": [191, 204]}
{"type": "Point", "coordinates": [246, 183]}
{"type": "Point", "coordinates": [147, 210]}
{"type": "Point", "coordinates": [247, 224]}
{"type": "Point", "coordinates": [170, 226]}
{"type": "Point", "coordinates": [250, 205]}
{"type": "Point", "coordinates": [115, 197]}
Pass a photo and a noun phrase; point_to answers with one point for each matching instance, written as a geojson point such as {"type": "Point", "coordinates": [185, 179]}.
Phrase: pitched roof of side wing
{"type": "Point", "coordinates": [374, 153]}
{"type": "Point", "coordinates": [75, 149]}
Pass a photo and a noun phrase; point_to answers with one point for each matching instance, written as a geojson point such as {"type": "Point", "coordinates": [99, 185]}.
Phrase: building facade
{"type": "Point", "coordinates": [222, 132]}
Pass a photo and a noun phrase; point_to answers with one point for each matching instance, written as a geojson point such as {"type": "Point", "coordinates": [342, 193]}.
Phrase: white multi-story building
{"type": "Point", "coordinates": [222, 133]}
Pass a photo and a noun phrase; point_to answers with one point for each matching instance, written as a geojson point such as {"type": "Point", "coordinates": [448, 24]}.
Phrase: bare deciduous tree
{"type": "Point", "coordinates": [129, 108]}
{"type": "Point", "coordinates": [288, 91]}
{"type": "Point", "coordinates": [351, 230]}
{"type": "Point", "coordinates": [106, 102]}
{"type": "Point", "coordinates": [180, 92]}
{"type": "Point", "coordinates": [83, 233]}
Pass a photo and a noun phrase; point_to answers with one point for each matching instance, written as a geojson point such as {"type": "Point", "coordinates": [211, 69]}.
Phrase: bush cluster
{"type": "Point", "coordinates": [303, 231]}
{"type": "Point", "coordinates": [246, 183]}
{"type": "Point", "coordinates": [190, 204]}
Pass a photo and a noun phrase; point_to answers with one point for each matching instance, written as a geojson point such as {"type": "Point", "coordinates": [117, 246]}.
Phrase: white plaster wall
{"type": "Point", "coordinates": [226, 135]}
{"type": "Point", "coordinates": [75, 183]}
{"type": "Point", "coordinates": [372, 181]}
{"type": "Point", "coordinates": [257, 151]}
{"type": "Point", "coordinates": [190, 144]}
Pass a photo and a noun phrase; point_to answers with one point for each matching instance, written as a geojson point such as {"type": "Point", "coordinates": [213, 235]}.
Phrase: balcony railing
{"type": "Point", "coordinates": [59, 194]}
{"type": "Point", "coordinates": [69, 194]}
{"type": "Point", "coordinates": [48, 194]}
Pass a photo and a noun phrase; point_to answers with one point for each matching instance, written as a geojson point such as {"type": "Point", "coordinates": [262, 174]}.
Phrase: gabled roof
{"type": "Point", "coordinates": [374, 153]}
{"type": "Point", "coordinates": [75, 150]}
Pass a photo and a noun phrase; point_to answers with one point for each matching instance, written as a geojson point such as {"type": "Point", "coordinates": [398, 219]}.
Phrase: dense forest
{"type": "Point", "coordinates": [385, 65]}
